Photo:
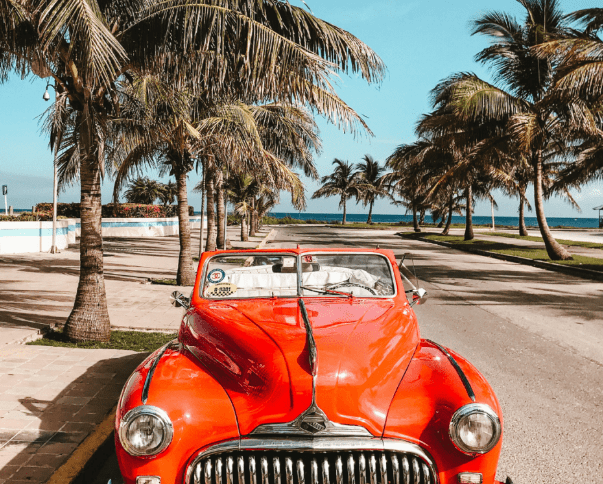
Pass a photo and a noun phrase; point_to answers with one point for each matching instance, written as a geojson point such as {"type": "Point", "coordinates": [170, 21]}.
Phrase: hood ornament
{"type": "Point", "coordinates": [313, 422]}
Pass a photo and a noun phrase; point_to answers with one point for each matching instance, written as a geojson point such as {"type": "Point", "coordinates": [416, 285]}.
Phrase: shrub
{"type": "Point", "coordinates": [110, 210]}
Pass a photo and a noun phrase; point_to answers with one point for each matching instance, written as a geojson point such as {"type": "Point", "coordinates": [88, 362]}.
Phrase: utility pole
{"type": "Point", "coordinates": [53, 248]}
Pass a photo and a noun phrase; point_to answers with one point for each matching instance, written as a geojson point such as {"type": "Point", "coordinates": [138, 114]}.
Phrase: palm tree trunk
{"type": "Point", "coordinates": [523, 231]}
{"type": "Point", "coordinates": [185, 276]}
{"type": "Point", "coordinates": [244, 237]}
{"type": "Point", "coordinates": [210, 244]}
{"type": "Point", "coordinates": [369, 220]}
{"type": "Point", "coordinates": [89, 318]}
{"type": "Point", "coordinates": [449, 220]}
{"type": "Point", "coordinates": [345, 211]}
{"type": "Point", "coordinates": [469, 235]}
{"type": "Point", "coordinates": [441, 222]}
{"type": "Point", "coordinates": [422, 217]}
{"type": "Point", "coordinates": [220, 207]}
{"type": "Point", "coordinates": [254, 216]}
{"type": "Point", "coordinates": [553, 248]}
{"type": "Point", "coordinates": [415, 220]}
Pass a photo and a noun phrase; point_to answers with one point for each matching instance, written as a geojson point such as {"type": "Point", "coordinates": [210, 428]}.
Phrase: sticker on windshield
{"type": "Point", "coordinates": [289, 262]}
{"type": "Point", "coordinates": [215, 276]}
{"type": "Point", "coordinates": [308, 259]}
{"type": "Point", "coordinates": [221, 290]}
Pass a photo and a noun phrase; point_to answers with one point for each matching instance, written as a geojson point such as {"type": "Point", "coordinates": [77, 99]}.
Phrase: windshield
{"type": "Point", "coordinates": [240, 276]}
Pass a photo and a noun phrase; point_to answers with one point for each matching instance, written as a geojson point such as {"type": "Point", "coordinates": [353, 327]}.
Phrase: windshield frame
{"type": "Point", "coordinates": [298, 257]}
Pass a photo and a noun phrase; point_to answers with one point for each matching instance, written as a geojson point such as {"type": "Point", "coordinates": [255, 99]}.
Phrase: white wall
{"type": "Point", "coordinates": [22, 237]}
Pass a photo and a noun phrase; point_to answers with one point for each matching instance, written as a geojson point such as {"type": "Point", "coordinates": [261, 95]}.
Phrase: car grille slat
{"type": "Point", "coordinates": [307, 467]}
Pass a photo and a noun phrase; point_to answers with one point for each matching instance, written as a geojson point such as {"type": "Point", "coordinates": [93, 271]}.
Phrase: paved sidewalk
{"type": "Point", "coordinates": [52, 398]}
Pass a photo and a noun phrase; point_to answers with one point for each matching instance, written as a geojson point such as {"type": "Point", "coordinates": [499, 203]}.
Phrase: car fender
{"type": "Point", "coordinates": [197, 405]}
{"type": "Point", "coordinates": [430, 392]}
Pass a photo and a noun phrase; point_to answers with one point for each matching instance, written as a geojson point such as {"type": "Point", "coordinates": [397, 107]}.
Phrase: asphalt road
{"type": "Point", "coordinates": [537, 336]}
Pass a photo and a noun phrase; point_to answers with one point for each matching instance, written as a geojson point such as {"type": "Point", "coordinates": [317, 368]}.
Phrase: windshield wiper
{"type": "Point", "coordinates": [328, 291]}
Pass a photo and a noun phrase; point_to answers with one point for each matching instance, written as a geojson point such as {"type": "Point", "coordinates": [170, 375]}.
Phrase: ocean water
{"type": "Point", "coordinates": [477, 219]}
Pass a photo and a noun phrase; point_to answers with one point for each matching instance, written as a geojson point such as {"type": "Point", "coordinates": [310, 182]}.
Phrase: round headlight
{"type": "Point", "coordinates": [145, 430]}
{"type": "Point", "coordinates": [475, 429]}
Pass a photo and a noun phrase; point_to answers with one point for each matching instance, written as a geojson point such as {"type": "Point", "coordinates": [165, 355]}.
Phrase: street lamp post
{"type": "Point", "coordinates": [53, 248]}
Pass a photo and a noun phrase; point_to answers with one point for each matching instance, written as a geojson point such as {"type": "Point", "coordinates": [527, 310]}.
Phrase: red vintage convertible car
{"type": "Point", "coordinates": [305, 366]}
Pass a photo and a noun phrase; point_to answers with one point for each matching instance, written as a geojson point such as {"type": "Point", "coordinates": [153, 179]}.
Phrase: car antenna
{"type": "Point", "coordinates": [378, 247]}
{"type": "Point", "coordinates": [298, 246]}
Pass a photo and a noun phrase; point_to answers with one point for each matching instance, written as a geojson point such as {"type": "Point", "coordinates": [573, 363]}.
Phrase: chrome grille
{"type": "Point", "coordinates": [286, 467]}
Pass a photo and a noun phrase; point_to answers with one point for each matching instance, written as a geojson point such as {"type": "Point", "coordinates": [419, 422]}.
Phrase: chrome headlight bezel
{"type": "Point", "coordinates": [156, 412]}
{"type": "Point", "coordinates": [465, 411]}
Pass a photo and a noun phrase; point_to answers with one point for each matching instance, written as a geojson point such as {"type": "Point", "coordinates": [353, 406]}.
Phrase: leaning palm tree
{"type": "Point", "coordinates": [521, 103]}
{"type": "Point", "coordinates": [371, 173]}
{"type": "Point", "coordinates": [343, 182]}
{"type": "Point", "coordinates": [272, 49]}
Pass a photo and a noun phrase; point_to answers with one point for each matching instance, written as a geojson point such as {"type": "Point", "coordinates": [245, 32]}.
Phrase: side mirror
{"type": "Point", "coordinates": [177, 299]}
{"type": "Point", "coordinates": [419, 296]}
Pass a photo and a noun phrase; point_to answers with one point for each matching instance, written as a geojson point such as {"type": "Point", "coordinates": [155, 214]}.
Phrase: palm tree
{"type": "Point", "coordinates": [370, 173]}
{"type": "Point", "coordinates": [522, 105]}
{"type": "Point", "coordinates": [274, 50]}
{"type": "Point", "coordinates": [168, 193]}
{"type": "Point", "coordinates": [240, 190]}
{"type": "Point", "coordinates": [344, 181]}
{"type": "Point", "coordinates": [143, 190]}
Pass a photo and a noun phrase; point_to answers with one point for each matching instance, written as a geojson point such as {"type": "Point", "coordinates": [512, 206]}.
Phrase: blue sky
{"type": "Point", "coordinates": [420, 42]}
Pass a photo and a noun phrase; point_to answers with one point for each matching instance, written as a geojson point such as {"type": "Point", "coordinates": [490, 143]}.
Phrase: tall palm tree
{"type": "Point", "coordinates": [240, 190]}
{"type": "Point", "coordinates": [521, 104]}
{"type": "Point", "coordinates": [370, 173]}
{"type": "Point", "coordinates": [343, 182]}
{"type": "Point", "coordinates": [275, 50]}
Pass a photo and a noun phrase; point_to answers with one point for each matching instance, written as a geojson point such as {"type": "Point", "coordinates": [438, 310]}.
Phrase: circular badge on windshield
{"type": "Point", "coordinates": [215, 276]}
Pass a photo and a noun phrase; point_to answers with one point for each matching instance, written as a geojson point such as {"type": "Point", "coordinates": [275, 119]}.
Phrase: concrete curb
{"type": "Point", "coordinates": [93, 449]}
{"type": "Point", "coordinates": [568, 270]}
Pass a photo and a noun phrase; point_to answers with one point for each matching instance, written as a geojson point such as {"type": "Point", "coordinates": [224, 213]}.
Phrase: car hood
{"type": "Point", "coordinates": [258, 351]}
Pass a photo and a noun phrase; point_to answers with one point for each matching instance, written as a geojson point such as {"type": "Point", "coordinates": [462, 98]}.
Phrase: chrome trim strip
{"type": "Point", "coordinates": [252, 470]}
{"type": "Point", "coordinates": [362, 469]}
{"type": "Point", "coordinates": [458, 369]}
{"type": "Point", "coordinates": [265, 477]}
{"type": "Point", "coordinates": [317, 444]}
{"type": "Point", "coordinates": [351, 473]}
{"type": "Point", "coordinates": [301, 478]}
{"type": "Point", "coordinates": [288, 470]}
{"type": "Point", "coordinates": [208, 472]}
{"type": "Point", "coordinates": [230, 470]}
{"type": "Point", "coordinates": [373, 469]}
{"type": "Point", "coordinates": [416, 471]}
{"type": "Point", "coordinates": [325, 471]}
{"type": "Point", "coordinates": [383, 468]}
{"type": "Point", "coordinates": [314, 472]}
{"type": "Point", "coordinates": [426, 476]}
{"type": "Point", "coordinates": [218, 471]}
{"type": "Point", "coordinates": [147, 381]}
{"type": "Point", "coordinates": [276, 465]}
{"type": "Point", "coordinates": [313, 352]}
{"type": "Point", "coordinates": [395, 469]}
{"type": "Point", "coordinates": [338, 470]}
{"type": "Point", "coordinates": [241, 469]}
{"type": "Point", "coordinates": [405, 470]}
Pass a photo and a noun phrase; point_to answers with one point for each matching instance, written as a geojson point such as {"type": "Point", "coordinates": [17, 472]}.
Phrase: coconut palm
{"type": "Point", "coordinates": [143, 190]}
{"type": "Point", "coordinates": [275, 50]}
{"type": "Point", "coordinates": [343, 182]}
{"type": "Point", "coordinates": [168, 194]}
{"type": "Point", "coordinates": [370, 172]}
{"type": "Point", "coordinates": [521, 104]}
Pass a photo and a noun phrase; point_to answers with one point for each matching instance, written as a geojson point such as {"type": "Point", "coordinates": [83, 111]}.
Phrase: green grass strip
{"type": "Point", "coordinates": [573, 243]}
{"type": "Point", "coordinates": [120, 340]}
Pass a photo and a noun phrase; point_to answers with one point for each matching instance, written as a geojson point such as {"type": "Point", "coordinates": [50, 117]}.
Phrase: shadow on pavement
{"type": "Point", "coordinates": [59, 418]}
